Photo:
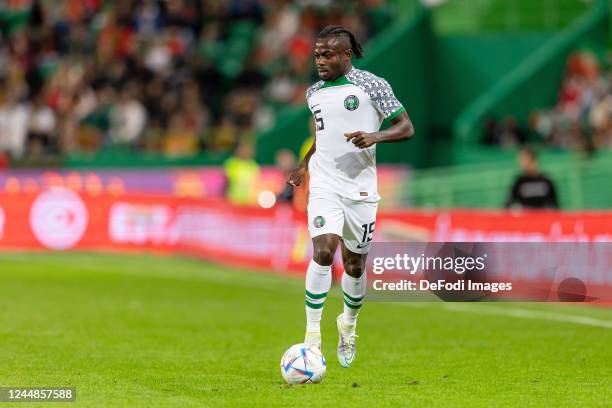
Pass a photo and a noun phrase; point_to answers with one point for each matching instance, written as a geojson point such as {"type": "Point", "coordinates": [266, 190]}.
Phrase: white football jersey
{"type": "Point", "coordinates": [357, 101]}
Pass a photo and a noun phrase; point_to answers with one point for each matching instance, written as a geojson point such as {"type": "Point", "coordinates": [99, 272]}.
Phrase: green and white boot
{"type": "Point", "coordinates": [347, 343]}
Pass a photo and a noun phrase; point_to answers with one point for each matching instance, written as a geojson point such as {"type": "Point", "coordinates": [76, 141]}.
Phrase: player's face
{"type": "Point", "coordinates": [331, 58]}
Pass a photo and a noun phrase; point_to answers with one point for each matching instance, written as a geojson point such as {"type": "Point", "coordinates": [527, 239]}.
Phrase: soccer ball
{"type": "Point", "coordinates": [302, 364]}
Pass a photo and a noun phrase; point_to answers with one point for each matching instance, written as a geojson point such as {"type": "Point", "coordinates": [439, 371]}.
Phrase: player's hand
{"type": "Point", "coordinates": [297, 175]}
{"type": "Point", "coordinates": [361, 139]}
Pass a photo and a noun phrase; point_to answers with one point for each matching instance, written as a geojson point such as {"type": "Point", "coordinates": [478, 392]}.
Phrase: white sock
{"type": "Point", "coordinates": [318, 282]}
{"type": "Point", "coordinates": [354, 292]}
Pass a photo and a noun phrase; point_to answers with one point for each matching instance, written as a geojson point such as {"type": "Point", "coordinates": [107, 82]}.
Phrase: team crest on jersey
{"type": "Point", "coordinates": [318, 222]}
{"type": "Point", "coordinates": [351, 102]}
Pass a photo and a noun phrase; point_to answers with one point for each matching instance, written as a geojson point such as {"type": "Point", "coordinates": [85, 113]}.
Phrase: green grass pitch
{"type": "Point", "coordinates": [149, 331]}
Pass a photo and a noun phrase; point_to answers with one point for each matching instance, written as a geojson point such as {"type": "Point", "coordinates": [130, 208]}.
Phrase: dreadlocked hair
{"type": "Point", "coordinates": [339, 31]}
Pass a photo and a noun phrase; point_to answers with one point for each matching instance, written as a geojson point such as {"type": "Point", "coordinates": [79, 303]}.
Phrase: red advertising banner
{"type": "Point", "coordinates": [277, 238]}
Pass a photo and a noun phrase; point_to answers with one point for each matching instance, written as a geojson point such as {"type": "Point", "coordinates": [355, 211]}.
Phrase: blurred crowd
{"type": "Point", "coordinates": [581, 120]}
{"type": "Point", "coordinates": [175, 77]}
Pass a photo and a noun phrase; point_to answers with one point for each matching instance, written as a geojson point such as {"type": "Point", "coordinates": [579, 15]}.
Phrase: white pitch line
{"type": "Point", "coordinates": [528, 314]}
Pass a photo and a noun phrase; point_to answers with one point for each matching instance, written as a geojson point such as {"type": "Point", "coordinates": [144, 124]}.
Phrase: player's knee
{"type": "Point", "coordinates": [323, 256]}
{"type": "Point", "coordinates": [353, 268]}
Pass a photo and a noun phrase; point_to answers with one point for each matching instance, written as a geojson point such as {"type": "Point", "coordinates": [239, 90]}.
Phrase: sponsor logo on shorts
{"type": "Point", "coordinates": [318, 222]}
{"type": "Point", "coordinates": [360, 246]}
{"type": "Point", "coordinates": [351, 102]}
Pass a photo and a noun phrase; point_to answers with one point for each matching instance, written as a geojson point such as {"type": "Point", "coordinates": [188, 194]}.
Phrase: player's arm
{"type": "Point", "coordinates": [297, 174]}
{"type": "Point", "coordinates": [401, 129]}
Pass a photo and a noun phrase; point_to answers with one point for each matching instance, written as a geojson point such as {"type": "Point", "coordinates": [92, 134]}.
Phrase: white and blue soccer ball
{"type": "Point", "coordinates": [302, 364]}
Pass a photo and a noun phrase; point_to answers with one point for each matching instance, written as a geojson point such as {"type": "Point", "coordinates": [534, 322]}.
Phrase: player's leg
{"type": "Point", "coordinates": [360, 219]}
{"type": "Point", "coordinates": [325, 221]}
{"type": "Point", "coordinates": [318, 282]}
{"type": "Point", "coordinates": [353, 289]}
{"type": "Point", "coordinates": [353, 285]}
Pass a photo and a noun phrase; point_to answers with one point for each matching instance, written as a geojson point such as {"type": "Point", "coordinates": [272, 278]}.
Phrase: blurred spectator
{"type": "Point", "coordinates": [531, 189]}
{"type": "Point", "coordinates": [14, 117]}
{"type": "Point", "coordinates": [512, 133]}
{"type": "Point", "coordinates": [169, 76]}
{"type": "Point", "coordinates": [127, 117]}
{"type": "Point", "coordinates": [152, 140]}
{"type": "Point", "coordinates": [181, 139]}
{"type": "Point", "coordinates": [581, 119]}
{"type": "Point", "coordinates": [241, 171]}
{"type": "Point", "coordinates": [506, 133]}
{"type": "Point", "coordinates": [41, 137]}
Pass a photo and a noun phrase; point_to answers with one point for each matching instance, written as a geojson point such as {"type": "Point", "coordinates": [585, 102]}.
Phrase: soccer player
{"type": "Point", "coordinates": [348, 106]}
